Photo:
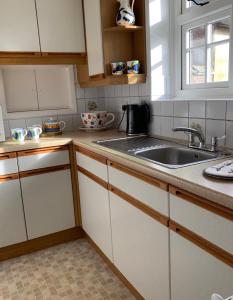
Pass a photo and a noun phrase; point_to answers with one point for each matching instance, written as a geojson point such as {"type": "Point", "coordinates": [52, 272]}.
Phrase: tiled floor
{"type": "Point", "coordinates": [72, 271]}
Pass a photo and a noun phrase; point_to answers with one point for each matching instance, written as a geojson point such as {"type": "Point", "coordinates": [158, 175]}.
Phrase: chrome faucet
{"type": "Point", "coordinates": [192, 133]}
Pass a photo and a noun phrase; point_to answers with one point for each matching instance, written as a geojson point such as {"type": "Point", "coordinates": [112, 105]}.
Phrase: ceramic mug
{"type": "Point", "coordinates": [118, 68]}
{"type": "Point", "coordinates": [97, 119]}
{"type": "Point", "coordinates": [34, 132]}
{"type": "Point", "coordinates": [18, 134]}
{"type": "Point", "coordinates": [133, 67]}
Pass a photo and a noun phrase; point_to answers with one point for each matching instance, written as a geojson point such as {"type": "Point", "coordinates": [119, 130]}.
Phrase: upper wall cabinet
{"type": "Point", "coordinates": [18, 26]}
{"type": "Point", "coordinates": [94, 37]}
{"type": "Point", "coordinates": [108, 43]}
{"type": "Point", "coordinates": [61, 25]}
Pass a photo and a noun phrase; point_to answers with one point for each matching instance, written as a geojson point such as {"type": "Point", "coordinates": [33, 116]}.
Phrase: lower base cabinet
{"type": "Point", "coordinates": [48, 203]}
{"type": "Point", "coordinates": [12, 223]}
{"type": "Point", "coordinates": [195, 274]}
{"type": "Point", "coordinates": [140, 249]}
{"type": "Point", "coordinates": [95, 213]}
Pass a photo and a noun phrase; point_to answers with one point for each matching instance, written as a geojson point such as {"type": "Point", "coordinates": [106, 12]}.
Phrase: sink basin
{"type": "Point", "coordinates": [175, 157]}
{"type": "Point", "coordinates": [166, 153]}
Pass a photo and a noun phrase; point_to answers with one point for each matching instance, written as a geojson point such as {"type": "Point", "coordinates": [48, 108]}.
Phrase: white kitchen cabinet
{"type": "Point", "coordinates": [12, 222]}
{"type": "Point", "coordinates": [18, 26]}
{"type": "Point", "coordinates": [48, 203]}
{"type": "Point", "coordinates": [140, 249]}
{"type": "Point", "coordinates": [20, 89]}
{"type": "Point", "coordinates": [8, 164]}
{"type": "Point", "coordinates": [95, 213]}
{"type": "Point", "coordinates": [94, 40]}
{"type": "Point", "coordinates": [195, 274]}
{"type": "Point", "coordinates": [61, 25]}
{"type": "Point", "coordinates": [93, 166]}
{"type": "Point", "coordinates": [45, 158]}
{"type": "Point", "coordinates": [146, 192]}
{"type": "Point", "coordinates": [203, 222]}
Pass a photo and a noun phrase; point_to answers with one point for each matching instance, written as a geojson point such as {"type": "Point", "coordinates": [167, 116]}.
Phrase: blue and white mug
{"type": "Point", "coordinates": [18, 134]}
{"type": "Point", "coordinates": [34, 132]}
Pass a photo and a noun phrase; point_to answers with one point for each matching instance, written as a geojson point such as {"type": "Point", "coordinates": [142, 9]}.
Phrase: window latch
{"type": "Point", "coordinates": [199, 2]}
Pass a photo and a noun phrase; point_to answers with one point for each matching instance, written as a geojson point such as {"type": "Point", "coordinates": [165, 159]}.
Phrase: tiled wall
{"type": "Point", "coordinates": [72, 121]}
{"type": "Point", "coordinates": [214, 116]}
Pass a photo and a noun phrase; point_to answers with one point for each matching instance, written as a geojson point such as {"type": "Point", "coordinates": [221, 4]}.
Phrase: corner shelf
{"type": "Point", "coordinates": [115, 80]}
{"type": "Point", "coordinates": [124, 28]}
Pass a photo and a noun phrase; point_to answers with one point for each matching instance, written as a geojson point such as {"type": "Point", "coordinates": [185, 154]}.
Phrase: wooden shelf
{"type": "Point", "coordinates": [114, 80]}
{"type": "Point", "coordinates": [123, 28]}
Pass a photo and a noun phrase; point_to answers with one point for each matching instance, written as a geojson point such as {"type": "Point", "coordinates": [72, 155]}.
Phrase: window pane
{"type": "Point", "coordinates": [219, 31]}
{"type": "Point", "coordinates": [197, 66]}
{"type": "Point", "coordinates": [218, 63]}
{"type": "Point", "coordinates": [196, 37]}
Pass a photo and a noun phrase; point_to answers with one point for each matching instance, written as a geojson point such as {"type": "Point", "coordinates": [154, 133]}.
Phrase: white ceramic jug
{"type": "Point", "coordinates": [125, 16]}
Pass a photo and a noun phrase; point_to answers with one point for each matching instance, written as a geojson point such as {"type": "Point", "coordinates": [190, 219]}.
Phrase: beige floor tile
{"type": "Point", "coordinates": [72, 271]}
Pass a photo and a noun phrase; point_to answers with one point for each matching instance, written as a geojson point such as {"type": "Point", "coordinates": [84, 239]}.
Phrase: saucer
{"type": "Point", "coordinates": [94, 129]}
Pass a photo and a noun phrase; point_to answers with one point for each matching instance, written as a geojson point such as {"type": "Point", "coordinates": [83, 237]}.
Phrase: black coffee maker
{"type": "Point", "coordinates": [138, 118]}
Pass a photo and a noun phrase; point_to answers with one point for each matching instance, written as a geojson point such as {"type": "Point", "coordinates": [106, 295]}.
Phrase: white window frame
{"type": "Point", "coordinates": [191, 16]}
{"type": "Point", "coordinates": [40, 113]}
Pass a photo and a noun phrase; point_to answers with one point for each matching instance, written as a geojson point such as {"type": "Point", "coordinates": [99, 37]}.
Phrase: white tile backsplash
{"type": "Point", "coordinates": [180, 122]}
{"type": "Point", "coordinates": [215, 128]}
{"type": "Point", "coordinates": [167, 108]}
{"type": "Point", "coordinates": [197, 109]}
{"type": "Point", "coordinates": [33, 122]}
{"type": "Point", "coordinates": [155, 126]}
{"type": "Point", "coordinates": [216, 110]}
{"type": "Point", "coordinates": [20, 123]}
{"type": "Point", "coordinates": [229, 133]}
{"type": "Point", "coordinates": [181, 109]}
{"type": "Point", "coordinates": [230, 110]}
{"type": "Point", "coordinates": [166, 126]}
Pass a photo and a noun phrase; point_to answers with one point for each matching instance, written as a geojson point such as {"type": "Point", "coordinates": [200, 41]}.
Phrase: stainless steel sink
{"type": "Point", "coordinates": [174, 156]}
{"type": "Point", "coordinates": [162, 152]}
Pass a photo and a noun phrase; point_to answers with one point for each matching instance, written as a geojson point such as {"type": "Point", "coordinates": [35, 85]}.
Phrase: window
{"type": "Point", "coordinates": [206, 53]}
{"type": "Point", "coordinates": [37, 90]}
{"type": "Point", "coordinates": [203, 49]}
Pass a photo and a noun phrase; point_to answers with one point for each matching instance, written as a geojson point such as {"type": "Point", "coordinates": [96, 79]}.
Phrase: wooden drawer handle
{"type": "Point", "coordinates": [9, 177]}
{"type": "Point", "coordinates": [7, 156]}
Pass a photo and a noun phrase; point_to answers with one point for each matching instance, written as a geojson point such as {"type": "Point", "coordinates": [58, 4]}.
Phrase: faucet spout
{"type": "Point", "coordinates": [192, 133]}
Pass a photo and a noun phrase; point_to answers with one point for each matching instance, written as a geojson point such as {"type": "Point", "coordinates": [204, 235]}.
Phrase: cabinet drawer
{"type": "Point", "coordinates": [203, 222]}
{"type": "Point", "coordinates": [45, 158]}
{"type": "Point", "coordinates": [148, 193]}
{"type": "Point", "coordinates": [8, 164]}
{"type": "Point", "coordinates": [92, 165]}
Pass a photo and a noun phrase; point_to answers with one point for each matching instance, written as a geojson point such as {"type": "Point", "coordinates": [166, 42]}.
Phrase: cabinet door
{"type": "Point", "coordinates": [140, 249]}
{"type": "Point", "coordinates": [12, 223]}
{"type": "Point", "coordinates": [95, 213]}
{"type": "Point", "coordinates": [94, 37]}
{"type": "Point", "coordinates": [195, 274]}
{"type": "Point", "coordinates": [18, 26]}
{"type": "Point", "coordinates": [61, 25]}
{"type": "Point", "coordinates": [48, 203]}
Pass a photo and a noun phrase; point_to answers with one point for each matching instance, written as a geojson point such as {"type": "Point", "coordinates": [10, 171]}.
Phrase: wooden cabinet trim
{"type": "Point", "coordinates": [204, 244]}
{"type": "Point", "coordinates": [8, 155]}
{"type": "Point", "coordinates": [148, 179]}
{"type": "Point", "coordinates": [9, 177]}
{"type": "Point", "coordinates": [92, 155]}
{"type": "Point", "coordinates": [218, 209]}
{"type": "Point", "coordinates": [98, 180]}
{"type": "Point", "coordinates": [42, 150]}
{"type": "Point", "coordinates": [43, 171]}
{"type": "Point", "coordinates": [41, 243]}
{"type": "Point", "coordinates": [141, 206]}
